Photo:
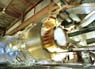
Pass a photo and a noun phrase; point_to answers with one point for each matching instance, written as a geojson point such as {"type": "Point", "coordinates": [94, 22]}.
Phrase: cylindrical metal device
{"type": "Point", "coordinates": [34, 43]}
{"type": "Point", "coordinates": [41, 43]}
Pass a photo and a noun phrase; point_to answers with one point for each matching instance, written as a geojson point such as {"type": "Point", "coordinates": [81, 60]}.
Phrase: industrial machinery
{"type": "Point", "coordinates": [66, 41]}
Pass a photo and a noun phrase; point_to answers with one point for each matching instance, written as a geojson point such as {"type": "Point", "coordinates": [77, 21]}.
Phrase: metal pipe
{"type": "Point", "coordinates": [84, 8]}
{"type": "Point", "coordinates": [88, 19]}
{"type": "Point", "coordinates": [81, 32]}
{"type": "Point", "coordinates": [69, 65]}
{"type": "Point", "coordinates": [77, 49]}
{"type": "Point", "coordinates": [89, 41]}
{"type": "Point", "coordinates": [60, 64]}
